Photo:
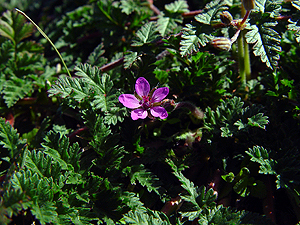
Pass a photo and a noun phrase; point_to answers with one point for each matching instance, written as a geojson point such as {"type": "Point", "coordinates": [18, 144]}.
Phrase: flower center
{"type": "Point", "coordinates": [146, 102]}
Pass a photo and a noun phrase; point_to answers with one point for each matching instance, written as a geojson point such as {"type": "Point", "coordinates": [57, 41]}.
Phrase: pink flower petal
{"type": "Point", "coordinates": [129, 101]}
{"type": "Point", "coordinates": [139, 114]}
{"type": "Point", "coordinates": [142, 87]}
{"type": "Point", "coordinates": [159, 94]}
{"type": "Point", "coordinates": [159, 111]}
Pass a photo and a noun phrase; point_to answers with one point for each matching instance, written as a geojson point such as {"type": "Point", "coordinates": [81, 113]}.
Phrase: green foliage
{"type": "Point", "coordinates": [191, 42]}
{"type": "Point", "coordinates": [146, 216]}
{"type": "Point", "coordinates": [230, 117]}
{"type": "Point", "coordinates": [179, 6]}
{"type": "Point", "coordinates": [260, 155]}
{"type": "Point", "coordinates": [244, 184]}
{"type": "Point", "coordinates": [147, 179]}
{"type": "Point", "coordinates": [211, 9]}
{"type": "Point", "coordinates": [266, 42]}
{"type": "Point", "coordinates": [170, 20]}
{"type": "Point", "coordinates": [13, 27]}
{"type": "Point", "coordinates": [146, 35]}
{"type": "Point", "coordinates": [11, 147]}
{"type": "Point", "coordinates": [16, 89]}
{"type": "Point", "coordinates": [22, 59]}
{"type": "Point", "coordinates": [93, 89]}
{"type": "Point", "coordinates": [71, 154]}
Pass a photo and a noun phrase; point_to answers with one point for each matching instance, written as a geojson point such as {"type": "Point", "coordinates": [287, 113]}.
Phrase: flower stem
{"type": "Point", "coordinates": [247, 63]}
{"type": "Point", "coordinates": [243, 50]}
{"type": "Point", "coordinates": [47, 38]}
{"type": "Point", "coordinates": [241, 58]}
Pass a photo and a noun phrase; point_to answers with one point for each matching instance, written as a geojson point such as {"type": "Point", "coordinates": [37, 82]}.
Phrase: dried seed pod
{"type": "Point", "coordinates": [226, 17]}
{"type": "Point", "coordinates": [248, 4]}
{"type": "Point", "coordinates": [221, 43]}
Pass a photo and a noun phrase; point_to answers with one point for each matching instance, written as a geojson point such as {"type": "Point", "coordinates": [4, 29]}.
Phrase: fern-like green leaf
{"type": "Point", "coordinates": [73, 88]}
{"type": "Point", "coordinates": [266, 43]}
{"type": "Point", "coordinates": [258, 120]}
{"type": "Point", "coordinates": [40, 192]}
{"type": "Point", "coordinates": [272, 7]}
{"type": "Point", "coordinates": [146, 217]}
{"type": "Point", "coordinates": [129, 6]}
{"type": "Point", "coordinates": [260, 155]}
{"type": "Point", "coordinates": [10, 142]}
{"type": "Point", "coordinates": [45, 212]}
{"type": "Point", "coordinates": [13, 26]}
{"type": "Point", "coordinates": [179, 6]}
{"type": "Point", "coordinates": [211, 10]}
{"type": "Point", "coordinates": [166, 25]}
{"type": "Point", "coordinates": [105, 97]}
{"type": "Point", "coordinates": [129, 59]}
{"type": "Point", "coordinates": [148, 180]}
{"type": "Point", "coordinates": [296, 4]}
{"type": "Point", "coordinates": [197, 198]}
{"type": "Point", "coordinates": [146, 35]}
{"type": "Point", "coordinates": [16, 89]}
{"type": "Point", "coordinates": [294, 27]}
{"type": "Point", "coordinates": [58, 147]}
{"type": "Point", "coordinates": [96, 58]}
{"type": "Point", "coordinates": [191, 42]}
{"type": "Point", "coordinates": [10, 204]}
{"type": "Point", "coordinates": [6, 55]}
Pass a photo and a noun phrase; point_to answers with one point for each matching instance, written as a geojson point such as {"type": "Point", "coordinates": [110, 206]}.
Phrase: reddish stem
{"type": "Point", "coordinates": [185, 15]}
{"type": "Point", "coordinates": [112, 65]}
{"type": "Point", "coordinates": [77, 132]}
{"type": "Point", "coordinates": [153, 7]}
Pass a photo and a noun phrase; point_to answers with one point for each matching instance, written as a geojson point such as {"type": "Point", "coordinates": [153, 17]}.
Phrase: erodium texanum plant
{"type": "Point", "coordinates": [216, 143]}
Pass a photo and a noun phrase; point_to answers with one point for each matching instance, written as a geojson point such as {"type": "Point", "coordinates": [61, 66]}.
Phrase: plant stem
{"type": "Point", "coordinates": [48, 39]}
{"type": "Point", "coordinates": [247, 63]}
{"type": "Point", "coordinates": [241, 59]}
{"type": "Point", "coordinates": [243, 51]}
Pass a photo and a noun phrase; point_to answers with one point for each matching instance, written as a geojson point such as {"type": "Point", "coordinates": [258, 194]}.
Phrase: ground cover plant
{"type": "Point", "coordinates": [149, 112]}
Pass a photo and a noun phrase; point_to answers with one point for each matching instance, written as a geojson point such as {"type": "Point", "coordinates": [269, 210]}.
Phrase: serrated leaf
{"type": "Point", "coordinates": [165, 25]}
{"type": "Point", "coordinates": [96, 58]}
{"type": "Point", "coordinates": [260, 155]}
{"type": "Point", "coordinates": [129, 6]}
{"type": "Point", "coordinates": [211, 10]}
{"type": "Point", "coordinates": [266, 42]}
{"type": "Point", "coordinates": [45, 213]}
{"type": "Point", "coordinates": [272, 7]}
{"type": "Point", "coordinates": [258, 120]}
{"type": "Point", "coordinates": [105, 97]}
{"type": "Point", "coordinates": [191, 42]}
{"type": "Point", "coordinates": [146, 35]}
{"type": "Point", "coordinates": [13, 26]}
{"type": "Point", "coordinates": [58, 147]}
{"type": "Point", "coordinates": [296, 4]}
{"type": "Point", "coordinates": [179, 6]}
{"type": "Point", "coordinates": [148, 180]}
{"type": "Point", "coordinates": [71, 88]}
{"type": "Point", "coordinates": [146, 217]}
{"type": "Point", "coordinates": [9, 139]}
{"type": "Point", "coordinates": [129, 59]}
{"type": "Point", "coordinates": [294, 27]}
{"type": "Point", "coordinates": [16, 89]}
{"type": "Point", "coordinates": [197, 196]}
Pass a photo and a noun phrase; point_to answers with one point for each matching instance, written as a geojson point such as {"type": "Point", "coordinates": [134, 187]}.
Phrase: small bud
{"type": "Point", "coordinates": [249, 4]}
{"type": "Point", "coordinates": [221, 43]}
{"type": "Point", "coordinates": [226, 17]}
{"type": "Point", "coordinates": [195, 111]}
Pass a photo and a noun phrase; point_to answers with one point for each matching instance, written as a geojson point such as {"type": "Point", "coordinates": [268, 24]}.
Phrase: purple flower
{"type": "Point", "coordinates": [145, 102]}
